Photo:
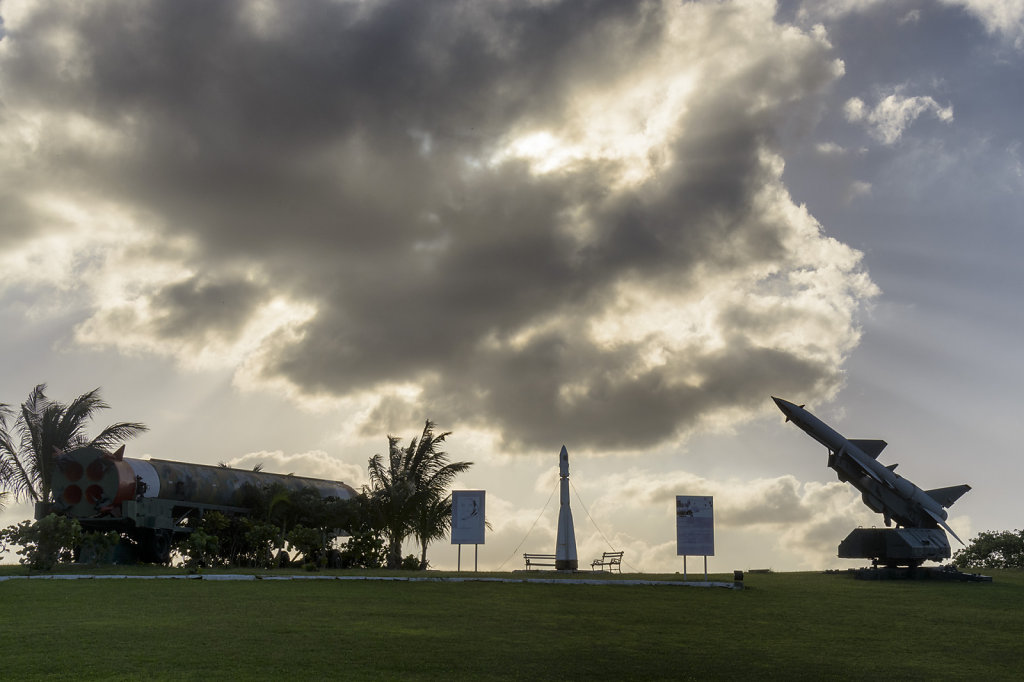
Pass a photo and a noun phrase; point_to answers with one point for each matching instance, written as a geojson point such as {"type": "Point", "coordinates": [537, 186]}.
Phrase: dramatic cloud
{"type": "Point", "coordinates": [554, 220]}
{"type": "Point", "coordinates": [893, 113]}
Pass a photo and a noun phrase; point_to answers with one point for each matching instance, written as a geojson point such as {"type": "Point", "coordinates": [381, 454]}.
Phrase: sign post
{"type": "Point", "coordinates": [468, 519]}
{"type": "Point", "coordinates": [695, 528]}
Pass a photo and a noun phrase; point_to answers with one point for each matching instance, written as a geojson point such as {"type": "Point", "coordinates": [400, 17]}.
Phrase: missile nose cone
{"type": "Point", "coordinates": [786, 407]}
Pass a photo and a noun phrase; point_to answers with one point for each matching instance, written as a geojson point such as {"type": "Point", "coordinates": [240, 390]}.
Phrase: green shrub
{"type": "Point", "coordinates": [261, 539]}
{"type": "Point", "coordinates": [991, 549]}
{"type": "Point", "coordinates": [365, 549]}
{"type": "Point", "coordinates": [199, 549]}
{"type": "Point", "coordinates": [310, 542]}
{"type": "Point", "coordinates": [46, 542]}
{"type": "Point", "coordinates": [97, 548]}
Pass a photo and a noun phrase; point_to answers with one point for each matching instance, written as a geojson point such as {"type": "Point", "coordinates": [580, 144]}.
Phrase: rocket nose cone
{"type": "Point", "coordinates": [786, 407]}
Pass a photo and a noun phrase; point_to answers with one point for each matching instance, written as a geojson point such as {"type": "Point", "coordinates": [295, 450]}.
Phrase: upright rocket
{"type": "Point", "coordinates": [918, 513]}
{"type": "Point", "coordinates": [565, 543]}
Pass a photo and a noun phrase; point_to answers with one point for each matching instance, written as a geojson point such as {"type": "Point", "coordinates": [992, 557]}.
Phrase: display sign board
{"type": "Point", "coordinates": [695, 525]}
{"type": "Point", "coordinates": [468, 517]}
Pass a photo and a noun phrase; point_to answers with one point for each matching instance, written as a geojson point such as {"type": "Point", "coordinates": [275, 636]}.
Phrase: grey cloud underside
{"type": "Point", "coordinates": [194, 307]}
{"type": "Point", "coordinates": [348, 155]}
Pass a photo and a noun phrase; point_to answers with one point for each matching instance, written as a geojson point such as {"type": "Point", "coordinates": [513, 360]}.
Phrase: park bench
{"type": "Point", "coordinates": [539, 560]}
{"type": "Point", "coordinates": [613, 560]}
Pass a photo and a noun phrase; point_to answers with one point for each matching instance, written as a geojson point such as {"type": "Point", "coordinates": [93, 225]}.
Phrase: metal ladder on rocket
{"type": "Point", "coordinates": [565, 543]}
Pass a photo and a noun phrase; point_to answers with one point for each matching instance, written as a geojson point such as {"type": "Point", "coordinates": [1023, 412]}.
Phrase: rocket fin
{"type": "Point", "coordinates": [942, 522]}
{"type": "Point", "coordinates": [947, 496]}
{"type": "Point", "coordinates": [871, 448]}
{"type": "Point", "coordinates": [839, 456]}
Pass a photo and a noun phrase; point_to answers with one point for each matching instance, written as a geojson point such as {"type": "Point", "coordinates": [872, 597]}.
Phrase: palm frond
{"type": "Point", "coordinates": [13, 474]}
{"type": "Point", "coordinates": [117, 433]}
{"type": "Point", "coordinates": [45, 426]}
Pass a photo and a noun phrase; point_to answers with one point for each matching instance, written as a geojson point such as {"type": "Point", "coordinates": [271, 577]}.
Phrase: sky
{"type": "Point", "coordinates": [277, 232]}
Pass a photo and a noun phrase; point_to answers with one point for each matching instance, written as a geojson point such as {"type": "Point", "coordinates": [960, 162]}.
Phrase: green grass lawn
{"type": "Point", "coordinates": [783, 626]}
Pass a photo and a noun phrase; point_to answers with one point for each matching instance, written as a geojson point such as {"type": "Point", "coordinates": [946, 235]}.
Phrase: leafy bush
{"type": "Point", "coordinates": [1004, 549]}
{"type": "Point", "coordinates": [46, 542]}
{"type": "Point", "coordinates": [200, 549]}
{"type": "Point", "coordinates": [310, 542]}
{"type": "Point", "coordinates": [365, 549]}
{"type": "Point", "coordinates": [410, 563]}
{"type": "Point", "coordinates": [97, 548]}
{"type": "Point", "coordinates": [261, 539]}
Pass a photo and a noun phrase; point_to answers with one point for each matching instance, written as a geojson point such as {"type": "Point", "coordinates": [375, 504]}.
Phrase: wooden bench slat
{"type": "Point", "coordinates": [539, 560]}
{"type": "Point", "coordinates": [613, 560]}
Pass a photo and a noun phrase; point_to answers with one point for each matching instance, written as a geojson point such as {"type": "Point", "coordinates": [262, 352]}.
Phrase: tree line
{"type": "Point", "coordinates": [408, 495]}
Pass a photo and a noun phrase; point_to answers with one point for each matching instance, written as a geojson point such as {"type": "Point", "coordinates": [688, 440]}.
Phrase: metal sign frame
{"type": "Point", "coordinates": [469, 520]}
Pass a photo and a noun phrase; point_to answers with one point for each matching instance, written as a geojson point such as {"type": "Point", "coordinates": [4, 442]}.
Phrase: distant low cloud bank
{"type": "Point", "coordinates": [558, 221]}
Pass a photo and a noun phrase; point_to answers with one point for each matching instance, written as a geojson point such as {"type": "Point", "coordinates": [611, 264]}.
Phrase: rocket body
{"type": "Point", "coordinates": [565, 543]}
{"type": "Point", "coordinates": [882, 489]}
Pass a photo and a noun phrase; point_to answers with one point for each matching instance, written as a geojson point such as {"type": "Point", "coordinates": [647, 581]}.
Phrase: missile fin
{"type": "Point", "coordinates": [871, 447]}
{"type": "Point", "coordinates": [942, 522]}
{"type": "Point", "coordinates": [865, 470]}
{"type": "Point", "coordinates": [947, 496]}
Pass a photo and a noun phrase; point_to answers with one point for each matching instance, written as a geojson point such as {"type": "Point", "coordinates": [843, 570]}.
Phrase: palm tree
{"type": "Point", "coordinates": [432, 522]}
{"type": "Point", "coordinates": [6, 470]}
{"type": "Point", "coordinates": [390, 494]}
{"type": "Point", "coordinates": [414, 480]}
{"type": "Point", "coordinates": [45, 426]}
{"type": "Point", "coordinates": [12, 474]}
{"type": "Point", "coordinates": [5, 473]}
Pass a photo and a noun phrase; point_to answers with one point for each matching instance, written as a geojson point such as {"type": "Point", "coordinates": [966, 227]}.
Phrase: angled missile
{"type": "Point", "coordinates": [882, 489]}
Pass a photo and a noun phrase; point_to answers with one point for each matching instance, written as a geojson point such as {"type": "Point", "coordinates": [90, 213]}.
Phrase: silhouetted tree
{"type": "Point", "coordinates": [407, 487]}
{"type": "Point", "coordinates": [1004, 549]}
{"type": "Point", "coordinates": [45, 426]}
{"type": "Point", "coordinates": [432, 522]}
{"type": "Point", "coordinates": [5, 471]}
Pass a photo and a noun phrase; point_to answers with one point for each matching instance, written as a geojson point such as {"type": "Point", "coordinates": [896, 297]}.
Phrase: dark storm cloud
{"type": "Point", "coordinates": [195, 307]}
{"type": "Point", "coordinates": [356, 155]}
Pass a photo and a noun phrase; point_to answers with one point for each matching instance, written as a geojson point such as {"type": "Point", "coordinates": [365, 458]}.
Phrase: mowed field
{"type": "Point", "coordinates": [783, 626]}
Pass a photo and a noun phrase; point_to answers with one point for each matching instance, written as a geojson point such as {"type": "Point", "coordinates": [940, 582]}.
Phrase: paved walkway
{"type": "Point", "coordinates": [244, 576]}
